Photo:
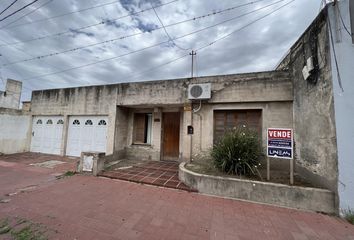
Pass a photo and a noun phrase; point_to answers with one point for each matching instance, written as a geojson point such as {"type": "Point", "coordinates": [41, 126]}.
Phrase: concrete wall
{"type": "Point", "coordinates": [14, 131]}
{"type": "Point", "coordinates": [313, 199]}
{"type": "Point", "coordinates": [313, 108]}
{"type": "Point", "coordinates": [343, 101]}
{"type": "Point", "coordinates": [10, 98]}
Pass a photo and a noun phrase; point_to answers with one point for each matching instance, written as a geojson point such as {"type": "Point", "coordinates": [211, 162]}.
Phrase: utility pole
{"type": "Point", "coordinates": [193, 53]}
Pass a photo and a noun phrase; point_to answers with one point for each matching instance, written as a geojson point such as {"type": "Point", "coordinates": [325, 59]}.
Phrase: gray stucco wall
{"type": "Point", "coordinates": [343, 102]}
{"type": "Point", "coordinates": [313, 108]}
{"type": "Point", "coordinates": [10, 98]}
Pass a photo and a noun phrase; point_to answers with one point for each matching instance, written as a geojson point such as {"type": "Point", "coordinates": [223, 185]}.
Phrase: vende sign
{"type": "Point", "coordinates": [280, 143]}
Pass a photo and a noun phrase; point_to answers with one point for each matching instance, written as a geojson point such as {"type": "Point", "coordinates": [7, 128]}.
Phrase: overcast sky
{"type": "Point", "coordinates": [257, 47]}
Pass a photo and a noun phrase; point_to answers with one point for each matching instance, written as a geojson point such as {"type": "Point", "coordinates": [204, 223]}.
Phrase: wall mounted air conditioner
{"type": "Point", "coordinates": [199, 91]}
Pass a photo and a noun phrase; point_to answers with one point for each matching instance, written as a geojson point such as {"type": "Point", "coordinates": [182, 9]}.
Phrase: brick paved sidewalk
{"type": "Point", "coordinates": [164, 174]}
{"type": "Point", "coordinates": [86, 207]}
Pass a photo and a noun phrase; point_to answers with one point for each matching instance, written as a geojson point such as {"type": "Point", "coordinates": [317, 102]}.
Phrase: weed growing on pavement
{"type": "Point", "coordinates": [349, 216]}
{"type": "Point", "coordinates": [67, 174]}
{"type": "Point", "coordinates": [22, 229]}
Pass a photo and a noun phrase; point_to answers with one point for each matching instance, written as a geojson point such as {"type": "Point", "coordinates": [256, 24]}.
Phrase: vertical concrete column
{"type": "Point", "coordinates": [64, 138]}
{"type": "Point", "coordinates": [156, 130]}
{"type": "Point", "coordinates": [111, 129]}
{"type": "Point", "coordinates": [187, 139]}
{"type": "Point", "coordinates": [29, 133]}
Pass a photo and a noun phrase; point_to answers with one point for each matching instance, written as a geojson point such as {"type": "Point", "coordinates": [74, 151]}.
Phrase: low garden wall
{"type": "Point", "coordinates": [313, 199]}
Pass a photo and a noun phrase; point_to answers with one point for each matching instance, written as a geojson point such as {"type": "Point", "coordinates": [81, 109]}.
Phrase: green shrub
{"type": "Point", "coordinates": [238, 152]}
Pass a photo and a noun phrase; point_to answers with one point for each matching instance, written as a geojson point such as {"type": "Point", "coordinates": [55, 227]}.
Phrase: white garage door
{"type": "Point", "coordinates": [47, 134]}
{"type": "Point", "coordinates": [86, 133]}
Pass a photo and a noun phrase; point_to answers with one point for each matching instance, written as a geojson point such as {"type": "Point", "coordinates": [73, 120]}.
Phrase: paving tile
{"type": "Point", "coordinates": [86, 207]}
{"type": "Point", "coordinates": [163, 174]}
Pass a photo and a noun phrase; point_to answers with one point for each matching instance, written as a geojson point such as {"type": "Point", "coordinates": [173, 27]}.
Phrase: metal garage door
{"type": "Point", "coordinates": [86, 133]}
{"type": "Point", "coordinates": [47, 134]}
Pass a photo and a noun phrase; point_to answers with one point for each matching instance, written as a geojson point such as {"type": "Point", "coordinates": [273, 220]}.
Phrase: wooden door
{"type": "Point", "coordinates": [171, 130]}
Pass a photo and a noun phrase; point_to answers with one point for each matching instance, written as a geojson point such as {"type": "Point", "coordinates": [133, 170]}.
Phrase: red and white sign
{"type": "Point", "coordinates": [279, 133]}
{"type": "Point", "coordinates": [280, 143]}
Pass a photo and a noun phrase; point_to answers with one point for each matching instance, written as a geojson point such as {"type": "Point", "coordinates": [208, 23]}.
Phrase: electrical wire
{"type": "Point", "coordinates": [136, 34]}
{"type": "Point", "coordinates": [158, 44]}
{"type": "Point", "coordinates": [345, 27]}
{"type": "Point", "coordinates": [20, 50]}
{"type": "Point", "coordinates": [258, 19]}
{"type": "Point", "coordinates": [133, 14]}
{"type": "Point", "coordinates": [168, 35]}
{"type": "Point", "coordinates": [8, 6]}
{"type": "Point", "coordinates": [209, 44]}
{"type": "Point", "coordinates": [335, 55]}
{"type": "Point", "coordinates": [136, 75]}
{"type": "Point", "coordinates": [44, 4]}
{"type": "Point", "coordinates": [61, 15]}
{"type": "Point", "coordinates": [18, 10]}
{"type": "Point", "coordinates": [104, 21]}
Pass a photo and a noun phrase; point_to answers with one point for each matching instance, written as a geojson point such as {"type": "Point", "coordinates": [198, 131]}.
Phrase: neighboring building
{"type": "Point", "coordinates": [157, 120]}
{"type": "Point", "coordinates": [26, 106]}
{"type": "Point", "coordinates": [10, 98]}
{"type": "Point", "coordinates": [343, 92]}
{"type": "Point", "coordinates": [324, 103]}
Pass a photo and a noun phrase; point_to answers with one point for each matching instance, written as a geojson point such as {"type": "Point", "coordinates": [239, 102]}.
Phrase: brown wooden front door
{"type": "Point", "coordinates": [170, 136]}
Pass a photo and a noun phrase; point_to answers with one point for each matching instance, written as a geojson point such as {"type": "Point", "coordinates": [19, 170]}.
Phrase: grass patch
{"type": "Point", "coordinates": [66, 174]}
{"type": "Point", "coordinates": [69, 174]}
{"type": "Point", "coordinates": [4, 226]}
{"type": "Point", "coordinates": [28, 233]}
{"type": "Point", "coordinates": [22, 229]}
{"type": "Point", "coordinates": [349, 216]}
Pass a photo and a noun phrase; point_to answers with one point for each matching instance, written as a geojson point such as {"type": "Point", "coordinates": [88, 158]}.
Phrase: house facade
{"type": "Point", "coordinates": [158, 121]}
{"type": "Point", "coordinates": [149, 120]}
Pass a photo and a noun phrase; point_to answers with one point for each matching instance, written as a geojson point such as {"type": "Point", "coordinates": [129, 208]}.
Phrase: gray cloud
{"type": "Point", "coordinates": [256, 48]}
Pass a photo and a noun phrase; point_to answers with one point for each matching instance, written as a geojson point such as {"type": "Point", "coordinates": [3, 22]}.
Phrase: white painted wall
{"type": "Point", "coordinates": [14, 133]}
{"type": "Point", "coordinates": [344, 102]}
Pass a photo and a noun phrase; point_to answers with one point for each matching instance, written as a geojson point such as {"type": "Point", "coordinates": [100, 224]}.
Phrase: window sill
{"type": "Point", "coordinates": [141, 144]}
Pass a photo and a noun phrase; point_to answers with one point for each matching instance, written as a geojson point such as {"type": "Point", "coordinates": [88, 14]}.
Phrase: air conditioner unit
{"type": "Point", "coordinates": [199, 91]}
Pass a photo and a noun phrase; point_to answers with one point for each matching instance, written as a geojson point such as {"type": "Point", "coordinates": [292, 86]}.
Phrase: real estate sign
{"type": "Point", "coordinates": [280, 143]}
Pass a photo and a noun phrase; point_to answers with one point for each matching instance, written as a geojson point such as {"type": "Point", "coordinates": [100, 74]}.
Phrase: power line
{"type": "Point", "coordinates": [211, 43]}
{"type": "Point", "coordinates": [335, 55]}
{"type": "Point", "coordinates": [158, 44]}
{"type": "Point", "coordinates": [168, 35]}
{"type": "Point", "coordinates": [136, 34]}
{"type": "Point", "coordinates": [156, 67]}
{"type": "Point", "coordinates": [103, 21]}
{"type": "Point", "coordinates": [341, 18]}
{"type": "Point", "coordinates": [18, 10]}
{"type": "Point", "coordinates": [19, 74]}
{"type": "Point", "coordinates": [8, 6]}
{"type": "Point", "coordinates": [44, 4]}
{"type": "Point", "coordinates": [247, 25]}
{"type": "Point", "coordinates": [60, 15]}
{"type": "Point", "coordinates": [133, 14]}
